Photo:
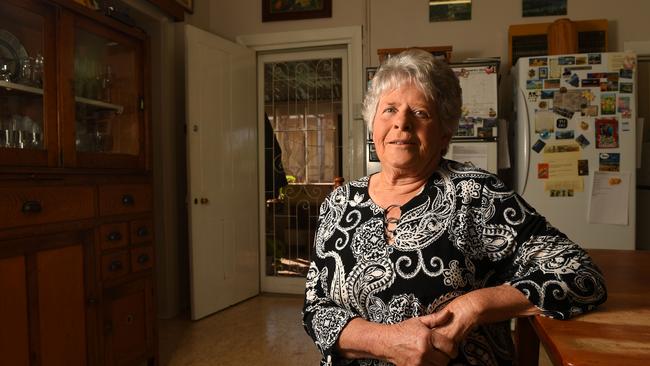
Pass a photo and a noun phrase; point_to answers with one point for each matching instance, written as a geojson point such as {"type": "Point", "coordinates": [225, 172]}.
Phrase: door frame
{"type": "Point", "coordinates": [353, 131]}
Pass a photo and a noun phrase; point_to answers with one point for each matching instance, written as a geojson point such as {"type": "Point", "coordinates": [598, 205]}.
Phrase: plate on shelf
{"type": "Point", "coordinates": [11, 54]}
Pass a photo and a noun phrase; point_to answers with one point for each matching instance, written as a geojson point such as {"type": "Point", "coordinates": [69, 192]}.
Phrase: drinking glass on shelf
{"type": "Point", "coordinates": [25, 71]}
{"type": "Point", "coordinates": [106, 84]}
{"type": "Point", "coordinates": [37, 70]}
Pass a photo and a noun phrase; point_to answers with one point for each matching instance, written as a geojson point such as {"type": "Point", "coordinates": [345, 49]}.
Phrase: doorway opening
{"type": "Point", "coordinates": [304, 97]}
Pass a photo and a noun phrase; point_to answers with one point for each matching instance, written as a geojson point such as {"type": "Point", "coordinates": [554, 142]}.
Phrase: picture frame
{"type": "Point", "coordinates": [275, 10]}
{"type": "Point", "coordinates": [540, 8]}
{"type": "Point", "coordinates": [370, 73]}
{"type": "Point", "coordinates": [187, 4]}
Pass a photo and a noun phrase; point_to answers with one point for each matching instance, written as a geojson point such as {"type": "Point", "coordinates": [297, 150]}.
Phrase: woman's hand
{"type": "Point", "coordinates": [414, 342]}
{"type": "Point", "coordinates": [486, 305]}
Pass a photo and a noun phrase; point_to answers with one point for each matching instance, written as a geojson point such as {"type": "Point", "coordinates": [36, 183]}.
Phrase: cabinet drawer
{"type": "Point", "coordinates": [141, 231]}
{"type": "Point", "coordinates": [141, 258]}
{"type": "Point", "coordinates": [115, 265]}
{"type": "Point", "coordinates": [124, 199]}
{"type": "Point", "coordinates": [113, 235]}
{"type": "Point", "coordinates": [22, 206]}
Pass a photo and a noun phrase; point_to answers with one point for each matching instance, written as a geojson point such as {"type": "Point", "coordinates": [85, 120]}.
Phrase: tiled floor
{"type": "Point", "coordinates": [264, 330]}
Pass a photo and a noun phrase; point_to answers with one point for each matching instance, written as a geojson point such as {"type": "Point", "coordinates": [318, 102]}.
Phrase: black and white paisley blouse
{"type": "Point", "coordinates": [465, 230]}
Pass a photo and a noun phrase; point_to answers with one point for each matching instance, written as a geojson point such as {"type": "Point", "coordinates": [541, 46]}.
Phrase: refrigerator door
{"type": "Point", "coordinates": [567, 129]}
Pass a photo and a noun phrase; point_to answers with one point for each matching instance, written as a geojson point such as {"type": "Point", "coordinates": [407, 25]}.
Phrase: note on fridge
{"type": "Point", "coordinates": [608, 203]}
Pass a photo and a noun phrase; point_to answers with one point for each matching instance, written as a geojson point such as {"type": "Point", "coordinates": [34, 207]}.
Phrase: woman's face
{"type": "Point", "coordinates": [406, 131]}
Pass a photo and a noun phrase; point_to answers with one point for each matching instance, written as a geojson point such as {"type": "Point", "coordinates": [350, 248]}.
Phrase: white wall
{"type": "Point", "coordinates": [403, 23]}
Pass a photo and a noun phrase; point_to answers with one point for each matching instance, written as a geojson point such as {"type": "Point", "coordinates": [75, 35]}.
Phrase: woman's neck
{"type": "Point", "coordinates": [391, 189]}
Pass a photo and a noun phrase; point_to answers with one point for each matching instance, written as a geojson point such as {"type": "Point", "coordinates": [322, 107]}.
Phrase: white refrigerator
{"type": "Point", "coordinates": [574, 144]}
{"type": "Point", "coordinates": [475, 140]}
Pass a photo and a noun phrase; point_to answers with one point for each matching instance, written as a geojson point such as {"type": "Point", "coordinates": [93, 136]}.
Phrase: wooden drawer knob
{"type": "Point", "coordinates": [128, 200]}
{"type": "Point", "coordinates": [143, 258]}
{"type": "Point", "coordinates": [143, 231]}
{"type": "Point", "coordinates": [115, 266]}
{"type": "Point", "coordinates": [114, 236]}
{"type": "Point", "coordinates": [32, 207]}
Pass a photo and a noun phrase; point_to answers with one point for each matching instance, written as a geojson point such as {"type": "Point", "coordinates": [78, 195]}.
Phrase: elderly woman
{"type": "Point", "coordinates": [426, 261]}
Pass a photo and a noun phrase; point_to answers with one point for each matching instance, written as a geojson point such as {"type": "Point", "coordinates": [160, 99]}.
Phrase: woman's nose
{"type": "Point", "coordinates": [402, 121]}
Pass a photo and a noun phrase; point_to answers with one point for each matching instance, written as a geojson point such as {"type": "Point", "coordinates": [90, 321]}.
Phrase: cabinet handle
{"type": "Point", "coordinates": [115, 266]}
{"type": "Point", "coordinates": [143, 231]}
{"type": "Point", "coordinates": [143, 258]}
{"type": "Point", "coordinates": [92, 301]}
{"type": "Point", "coordinates": [204, 201]}
{"type": "Point", "coordinates": [114, 236]}
{"type": "Point", "coordinates": [32, 207]}
{"type": "Point", "coordinates": [128, 200]}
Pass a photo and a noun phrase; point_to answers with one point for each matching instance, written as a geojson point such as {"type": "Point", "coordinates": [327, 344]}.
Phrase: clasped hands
{"type": "Point", "coordinates": [431, 339]}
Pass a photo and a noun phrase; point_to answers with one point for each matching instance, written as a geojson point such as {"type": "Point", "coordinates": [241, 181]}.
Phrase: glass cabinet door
{"type": "Point", "coordinates": [28, 134]}
{"type": "Point", "coordinates": [108, 89]}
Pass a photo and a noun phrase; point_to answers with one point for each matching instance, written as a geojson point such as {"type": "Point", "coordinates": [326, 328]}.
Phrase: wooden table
{"type": "Point", "coordinates": [617, 333]}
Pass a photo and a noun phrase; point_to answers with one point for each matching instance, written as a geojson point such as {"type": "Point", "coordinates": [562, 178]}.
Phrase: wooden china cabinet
{"type": "Point", "coordinates": [76, 234]}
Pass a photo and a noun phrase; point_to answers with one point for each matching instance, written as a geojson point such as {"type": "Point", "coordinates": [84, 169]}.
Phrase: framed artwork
{"type": "Point", "coordinates": [370, 73]}
{"type": "Point", "coordinates": [444, 10]}
{"type": "Point", "coordinates": [540, 8]}
{"type": "Point", "coordinates": [187, 4]}
{"type": "Point", "coordinates": [273, 10]}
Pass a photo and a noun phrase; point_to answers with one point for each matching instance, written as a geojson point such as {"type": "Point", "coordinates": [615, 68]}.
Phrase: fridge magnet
{"type": "Point", "coordinates": [543, 104]}
{"type": "Point", "coordinates": [627, 74]}
{"type": "Point", "coordinates": [443, 10]}
{"type": "Point", "coordinates": [561, 123]}
{"type": "Point", "coordinates": [574, 80]}
{"type": "Point", "coordinates": [531, 73]}
{"type": "Point", "coordinates": [553, 69]}
{"type": "Point", "coordinates": [561, 148]}
{"type": "Point", "coordinates": [547, 94]}
{"type": "Point", "coordinates": [625, 88]}
{"type": "Point", "coordinates": [594, 58]}
{"type": "Point", "coordinates": [544, 134]}
{"type": "Point", "coordinates": [537, 61]}
{"type": "Point", "coordinates": [606, 133]}
{"type": "Point", "coordinates": [583, 167]}
{"type": "Point", "coordinates": [578, 68]}
{"type": "Point", "coordinates": [552, 84]}
{"type": "Point", "coordinates": [588, 96]}
{"type": "Point", "coordinates": [538, 146]}
{"type": "Point", "coordinates": [590, 83]}
{"type": "Point", "coordinates": [543, 72]}
{"type": "Point", "coordinates": [566, 60]}
{"type": "Point", "coordinates": [582, 140]}
{"type": "Point", "coordinates": [591, 111]}
{"type": "Point", "coordinates": [629, 61]}
{"type": "Point", "coordinates": [532, 96]}
{"type": "Point", "coordinates": [608, 104]}
{"type": "Point", "coordinates": [625, 126]}
{"type": "Point", "coordinates": [597, 75]}
{"type": "Point", "coordinates": [492, 113]}
{"type": "Point", "coordinates": [484, 132]}
{"type": "Point", "coordinates": [490, 122]}
{"type": "Point", "coordinates": [465, 130]}
{"type": "Point", "coordinates": [609, 162]}
{"type": "Point", "coordinates": [537, 8]}
{"type": "Point", "coordinates": [563, 112]}
{"type": "Point", "coordinates": [533, 84]}
{"type": "Point", "coordinates": [563, 90]}
{"type": "Point", "coordinates": [564, 135]}
{"type": "Point", "coordinates": [542, 170]}
{"type": "Point", "coordinates": [544, 121]}
{"type": "Point", "coordinates": [584, 125]}
{"type": "Point", "coordinates": [624, 106]}
{"type": "Point", "coordinates": [581, 60]}
{"type": "Point", "coordinates": [566, 73]}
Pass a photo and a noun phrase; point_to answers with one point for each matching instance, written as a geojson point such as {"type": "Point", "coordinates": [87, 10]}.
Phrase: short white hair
{"type": "Point", "coordinates": [431, 76]}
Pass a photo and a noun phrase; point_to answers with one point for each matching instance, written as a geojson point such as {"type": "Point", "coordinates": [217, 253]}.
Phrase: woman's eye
{"type": "Point", "coordinates": [421, 114]}
{"type": "Point", "coordinates": [390, 110]}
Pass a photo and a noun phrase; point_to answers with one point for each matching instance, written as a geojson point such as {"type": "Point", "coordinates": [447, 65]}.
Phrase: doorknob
{"type": "Point", "coordinates": [204, 201]}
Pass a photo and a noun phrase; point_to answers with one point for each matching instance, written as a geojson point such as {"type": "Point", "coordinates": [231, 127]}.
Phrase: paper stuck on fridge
{"type": "Point", "coordinates": [608, 203]}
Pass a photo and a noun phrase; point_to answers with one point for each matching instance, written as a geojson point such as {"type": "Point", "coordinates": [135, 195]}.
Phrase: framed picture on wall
{"type": "Point", "coordinates": [187, 4]}
{"type": "Point", "coordinates": [370, 73]}
{"type": "Point", "coordinates": [540, 8]}
{"type": "Point", "coordinates": [273, 10]}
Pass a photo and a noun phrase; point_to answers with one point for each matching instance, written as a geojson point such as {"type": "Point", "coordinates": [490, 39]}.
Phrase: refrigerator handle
{"type": "Point", "coordinates": [526, 141]}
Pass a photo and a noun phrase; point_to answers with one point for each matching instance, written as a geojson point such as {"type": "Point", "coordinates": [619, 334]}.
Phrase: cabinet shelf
{"type": "Point", "coordinates": [99, 104]}
{"type": "Point", "coordinates": [38, 91]}
{"type": "Point", "coordinates": [21, 87]}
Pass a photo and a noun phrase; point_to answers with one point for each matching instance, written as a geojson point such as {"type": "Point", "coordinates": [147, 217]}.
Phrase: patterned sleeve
{"type": "Point", "coordinates": [554, 273]}
{"type": "Point", "coordinates": [322, 318]}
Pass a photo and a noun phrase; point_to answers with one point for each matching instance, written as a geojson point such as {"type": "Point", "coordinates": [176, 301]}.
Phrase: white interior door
{"type": "Point", "coordinates": [222, 172]}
